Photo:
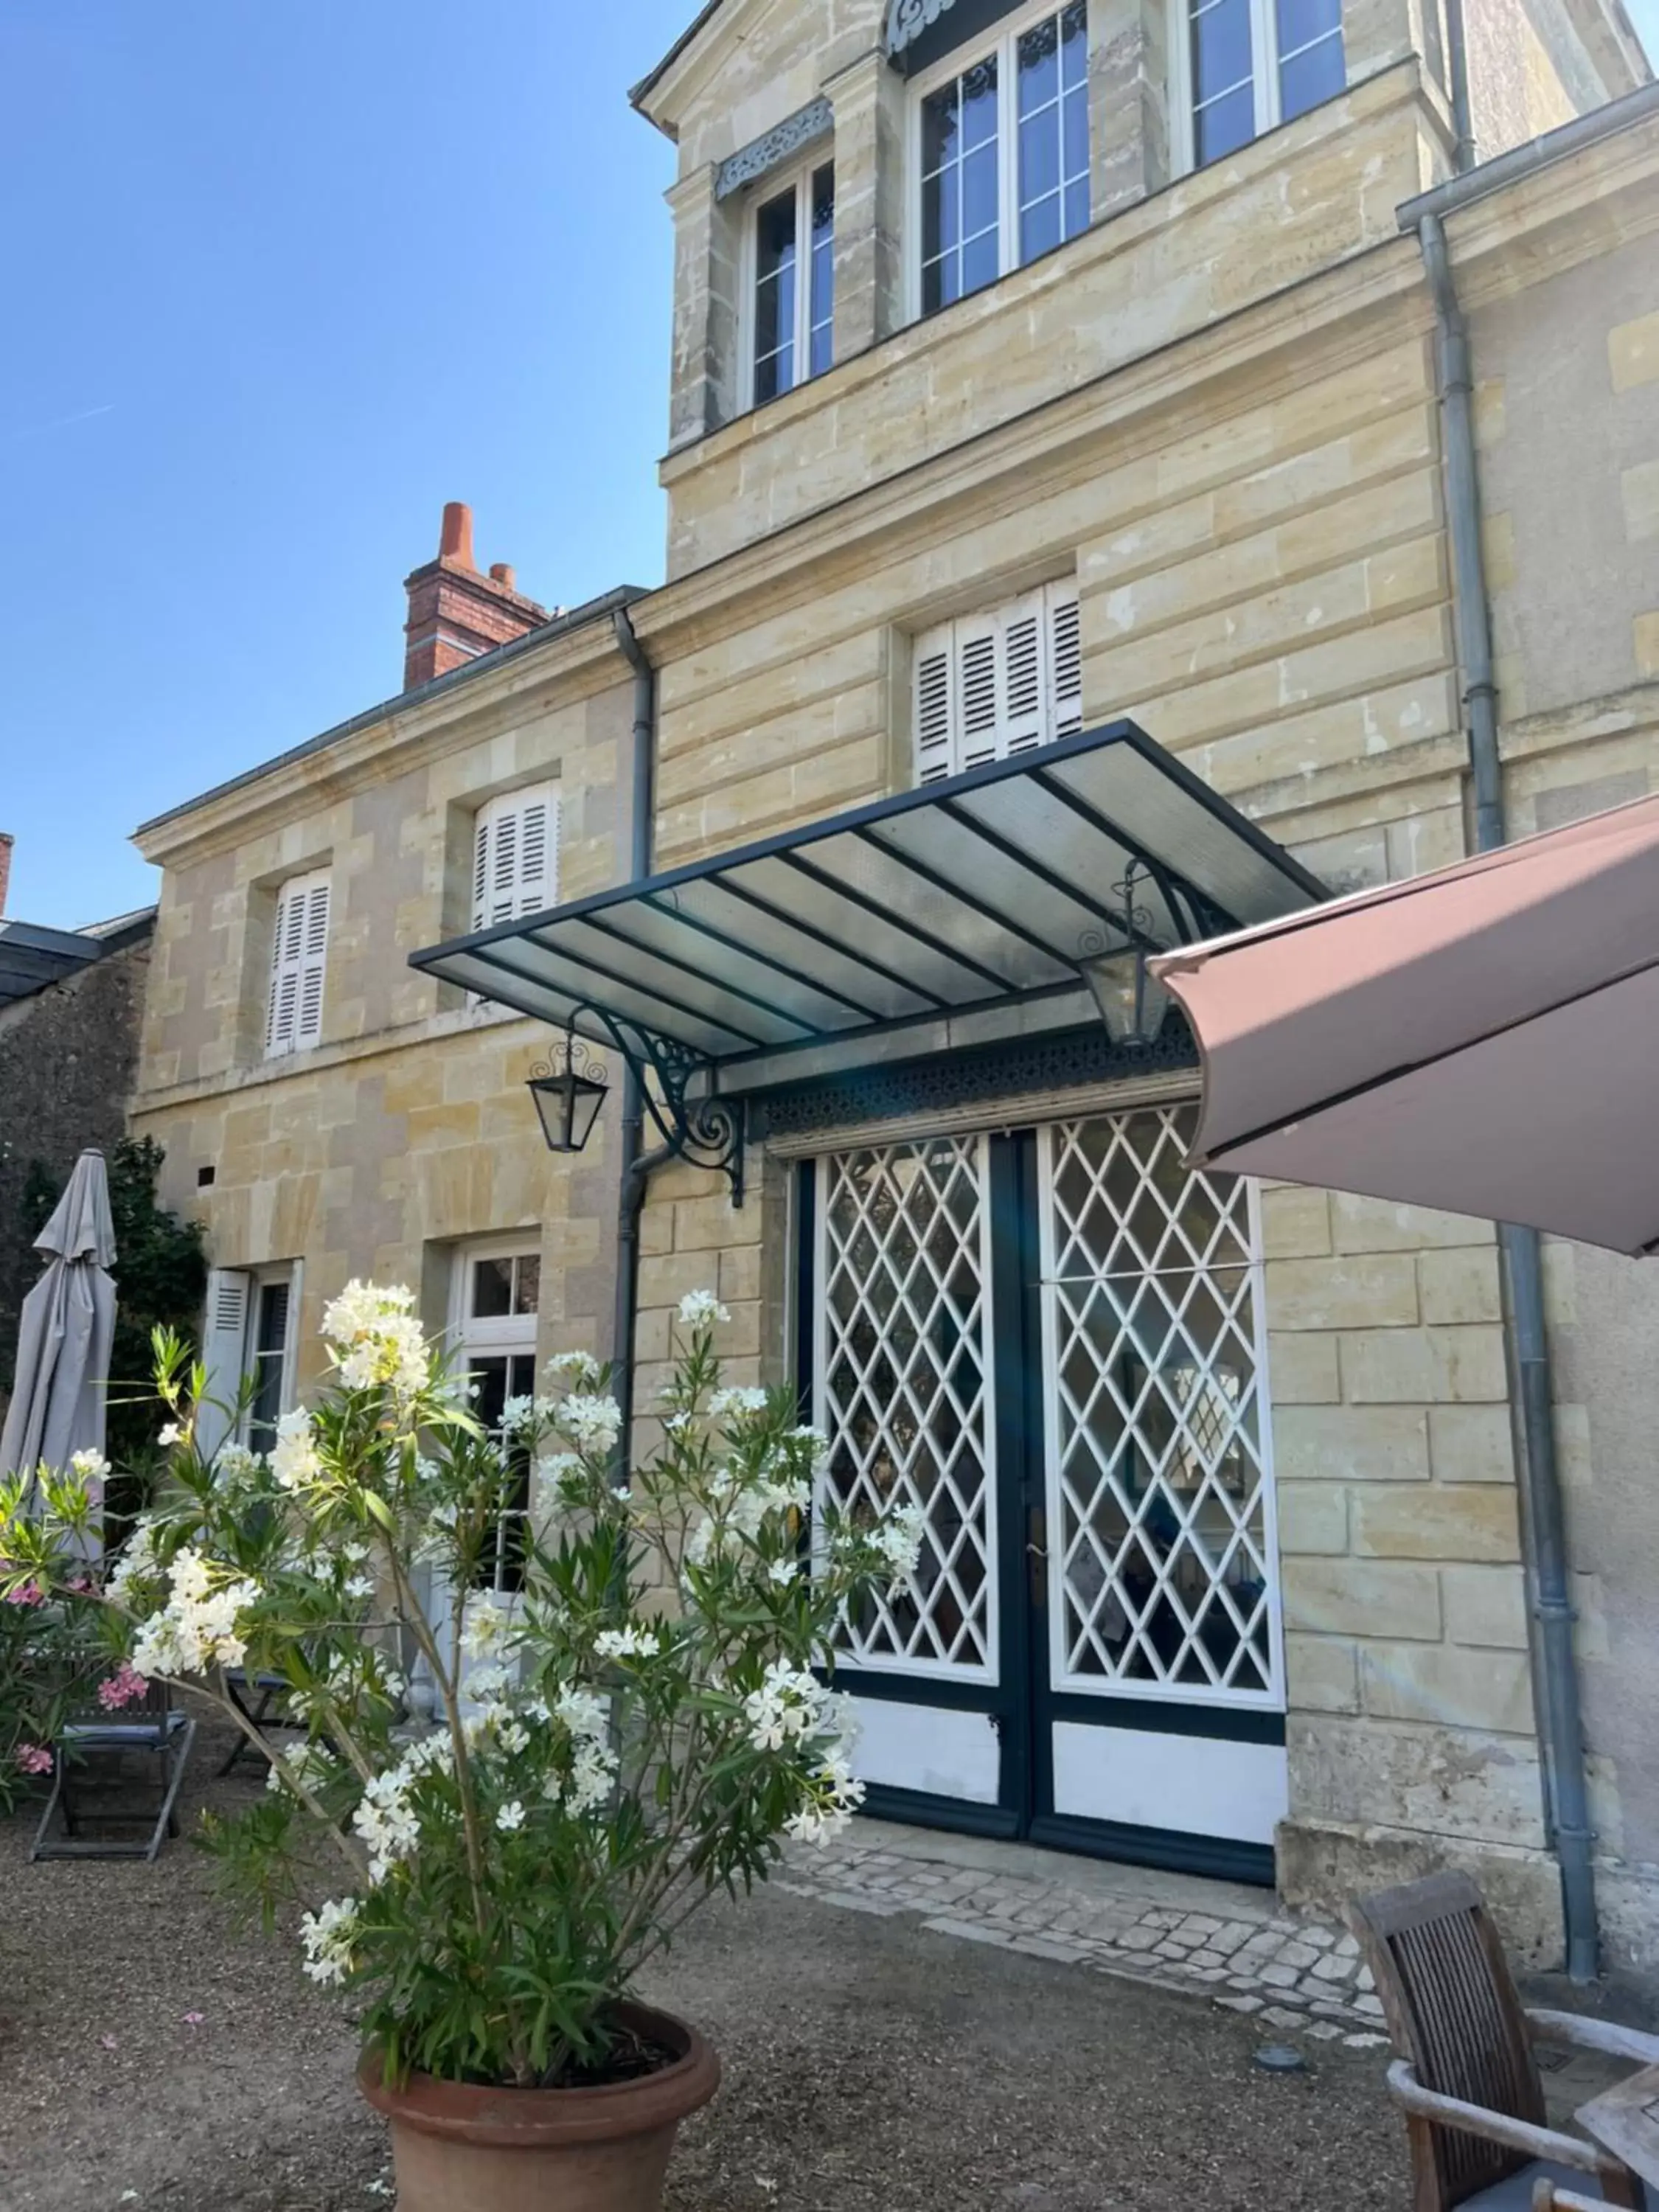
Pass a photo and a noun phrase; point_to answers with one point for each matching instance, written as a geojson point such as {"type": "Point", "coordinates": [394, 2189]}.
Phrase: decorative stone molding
{"type": "Point", "coordinates": [775, 146]}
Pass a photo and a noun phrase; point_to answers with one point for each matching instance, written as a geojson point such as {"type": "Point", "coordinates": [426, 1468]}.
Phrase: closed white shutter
{"type": "Point", "coordinates": [299, 958]}
{"type": "Point", "coordinates": [515, 856]}
{"type": "Point", "coordinates": [991, 685]}
{"type": "Point", "coordinates": [1066, 651]}
{"type": "Point", "coordinates": [224, 1347]}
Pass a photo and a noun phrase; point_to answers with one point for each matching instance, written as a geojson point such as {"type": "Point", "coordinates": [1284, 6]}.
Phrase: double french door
{"type": "Point", "coordinates": [1051, 1341]}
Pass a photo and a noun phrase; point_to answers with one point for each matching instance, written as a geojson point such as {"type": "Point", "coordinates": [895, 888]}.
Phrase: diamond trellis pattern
{"type": "Point", "coordinates": [903, 1389]}
{"type": "Point", "coordinates": [1162, 1555]}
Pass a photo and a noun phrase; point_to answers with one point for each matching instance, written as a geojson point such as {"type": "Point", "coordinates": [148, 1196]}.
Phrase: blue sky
{"type": "Point", "coordinates": [280, 280]}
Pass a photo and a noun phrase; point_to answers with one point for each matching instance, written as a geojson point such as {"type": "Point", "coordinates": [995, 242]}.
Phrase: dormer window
{"type": "Point", "coordinates": [791, 288]}
{"type": "Point", "coordinates": [1253, 63]}
{"type": "Point", "coordinates": [1000, 149]}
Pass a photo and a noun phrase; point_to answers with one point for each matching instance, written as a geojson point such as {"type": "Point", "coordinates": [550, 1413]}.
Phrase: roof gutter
{"type": "Point", "coordinates": [1526, 1334]}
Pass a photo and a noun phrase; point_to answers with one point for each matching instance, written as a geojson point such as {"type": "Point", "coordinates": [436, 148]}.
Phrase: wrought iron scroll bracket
{"type": "Point", "coordinates": [708, 1131]}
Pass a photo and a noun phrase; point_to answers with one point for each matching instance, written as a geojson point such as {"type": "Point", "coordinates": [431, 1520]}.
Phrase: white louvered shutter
{"type": "Point", "coordinates": [1066, 658]}
{"type": "Point", "coordinates": [515, 856]}
{"type": "Point", "coordinates": [991, 685]}
{"type": "Point", "coordinates": [224, 1346]}
{"type": "Point", "coordinates": [299, 958]}
{"type": "Point", "coordinates": [934, 659]}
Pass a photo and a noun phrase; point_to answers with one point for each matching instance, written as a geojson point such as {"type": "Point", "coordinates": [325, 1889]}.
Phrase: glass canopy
{"type": "Point", "coordinates": [986, 891]}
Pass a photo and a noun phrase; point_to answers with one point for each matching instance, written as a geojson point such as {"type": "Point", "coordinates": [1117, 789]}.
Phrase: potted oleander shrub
{"type": "Point", "coordinates": [644, 1722]}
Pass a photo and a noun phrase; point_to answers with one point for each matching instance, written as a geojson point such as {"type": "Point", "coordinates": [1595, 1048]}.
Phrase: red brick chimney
{"type": "Point", "coordinates": [454, 613]}
{"type": "Point", "coordinates": [5, 866]}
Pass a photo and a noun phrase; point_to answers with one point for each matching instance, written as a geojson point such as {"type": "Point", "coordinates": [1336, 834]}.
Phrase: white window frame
{"type": "Point", "coordinates": [1049, 715]}
{"type": "Point", "coordinates": [498, 1336]}
{"type": "Point", "coordinates": [796, 177]}
{"type": "Point", "coordinates": [226, 1370]}
{"type": "Point", "coordinates": [1003, 42]}
{"type": "Point", "coordinates": [1264, 77]}
{"type": "Point", "coordinates": [300, 1036]}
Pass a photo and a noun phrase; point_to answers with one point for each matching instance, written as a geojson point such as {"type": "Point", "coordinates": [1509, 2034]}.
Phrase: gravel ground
{"type": "Point", "coordinates": [870, 2067]}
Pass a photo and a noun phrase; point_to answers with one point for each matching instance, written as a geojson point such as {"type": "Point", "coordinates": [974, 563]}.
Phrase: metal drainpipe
{"type": "Point", "coordinates": [636, 1165]}
{"type": "Point", "coordinates": [1568, 1797]}
{"type": "Point", "coordinates": [1457, 70]}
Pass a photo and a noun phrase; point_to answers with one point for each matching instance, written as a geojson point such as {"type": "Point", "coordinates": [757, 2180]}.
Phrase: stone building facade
{"type": "Point", "coordinates": [1201, 441]}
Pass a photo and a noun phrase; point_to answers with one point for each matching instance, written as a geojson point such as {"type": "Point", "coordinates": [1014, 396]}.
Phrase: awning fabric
{"type": "Point", "coordinates": [980, 892]}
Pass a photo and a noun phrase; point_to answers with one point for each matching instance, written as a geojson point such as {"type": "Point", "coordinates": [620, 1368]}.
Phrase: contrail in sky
{"type": "Point", "coordinates": [62, 423]}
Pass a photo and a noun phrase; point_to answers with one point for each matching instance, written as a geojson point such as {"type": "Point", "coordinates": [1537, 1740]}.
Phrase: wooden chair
{"type": "Point", "coordinates": [1464, 2073]}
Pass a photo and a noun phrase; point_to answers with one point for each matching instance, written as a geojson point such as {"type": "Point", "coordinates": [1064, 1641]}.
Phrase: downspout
{"type": "Point", "coordinates": [1567, 1794]}
{"type": "Point", "coordinates": [1457, 71]}
{"type": "Point", "coordinates": [636, 1164]}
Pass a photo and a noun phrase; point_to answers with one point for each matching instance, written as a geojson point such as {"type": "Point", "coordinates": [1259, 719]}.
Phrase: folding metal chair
{"type": "Point", "coordinates": [152, 1732]}
{"type": "Point", "coordinates": [265, 1690]}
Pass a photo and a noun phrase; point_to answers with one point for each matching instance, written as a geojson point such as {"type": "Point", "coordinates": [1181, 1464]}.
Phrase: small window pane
{"type": "Point", "coordinates": [821, 333]}
{"type": "Point", "coordinates": [979, 192]}
{"type": "Point", "coordinates": [775, 297]}
{"type": "Point", "coordinates": [1039, 67]}
{"type": "Point", "coordinates": [270, 1350]}
{"type": "Point", "coordinates": [1039, 154]}
{"type": "Point", "coordinates": [1076, 207]}
{"type": "Point", "coordinates": [979, 105]}
{"type": "Point", "coordinates": [1316, 73]}
{"type": "Point", "coordinates": [1077, 132]}
{"type": "Point", "coordinates": [492, 1288]}
{"type": "Point", "coordinates": [1040, 228]}
{"type": "Point", "coordinates": [1226, 125]}
{"type": "Point", "coordinates": [527, 1285]}
{"type": "Point", "coordinates": [1221, 48]}
{"type": "Point", "coordinates": [979, 262]}
{"type": "Point", "coordinates": [1302, 22]}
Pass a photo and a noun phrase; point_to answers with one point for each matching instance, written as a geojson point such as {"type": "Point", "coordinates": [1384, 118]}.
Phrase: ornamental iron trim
{"type": "Point", "coordinates": [706, 1132]}
{"type": "Point", "coordinates": [1065, 1061]}
{"type": "Point", "coordinates": [908, 19]}
{"type": "Point", "coordinates": [774, 147]}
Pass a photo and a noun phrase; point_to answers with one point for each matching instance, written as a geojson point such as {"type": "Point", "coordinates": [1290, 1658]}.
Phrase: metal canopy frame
{"type": "Point", "coordinates": [986, 892]}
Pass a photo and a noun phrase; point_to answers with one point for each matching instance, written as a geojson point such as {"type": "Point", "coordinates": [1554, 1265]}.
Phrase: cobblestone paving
{"type": "Point", "coordinates": [1294, 1975]}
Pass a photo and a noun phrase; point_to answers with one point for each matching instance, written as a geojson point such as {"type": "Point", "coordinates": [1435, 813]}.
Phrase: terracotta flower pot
{"type": "Point", "coordinates": [460, 2149]}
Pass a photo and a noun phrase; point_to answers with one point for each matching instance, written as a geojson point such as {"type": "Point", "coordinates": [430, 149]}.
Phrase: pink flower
{"type": "Point", "coordinates": [33, 1758]}
{"type": "Point", "coordinates": [27, 1594]}
{"type": "Point", "coordinates": [107, 2042]}
{"type": "Point", "coordinates": [122, 1688]}
{"type": "Point", "coordinates": [80, 1585]}
{"type": "Point", "coordinates": [194, 2018]}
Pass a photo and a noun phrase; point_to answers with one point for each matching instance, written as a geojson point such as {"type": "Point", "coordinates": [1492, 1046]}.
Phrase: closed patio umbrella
{"type": "Point", "coordinates": [59, 1394]}
{"type": "Point", "coordinates": [1484, 1040]}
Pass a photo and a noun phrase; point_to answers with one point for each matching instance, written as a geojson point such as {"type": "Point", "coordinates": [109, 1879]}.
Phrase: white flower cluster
{"type": "Point", "coordinates": [376, 1338]}
{"type": "Point", "coordinates": [586, 1719]}
{"type": "Point", "coordinates": [577, 1370]}
{"type": "Point", "coordinates": [593, 1424]}
{"type": "Point", "coordinates": [485, 1628]}
{"type": "Point", "coordinates": [327, 1936]}
{"type": "Point", "coordinates": [737, 1405]}
{"type": "Point", "coordinates": [629, 1642]}
{"type": "Point", "coordinates": [307, 1764]}
{"type": "Point", "coordinates": [294, 1460]}
{"type": "Point", "coordinates": [528, 1416]}
{"type": "Point", "coordinates": [90, 1465]}
{"type": "Point", "coordinates": [234, 1463]}
{"type": "Point", "coordinates": [836, 1797]}
{"type": "Point", "coordinates": [137, 1561]}
{"type": "Point", "coordinates": [702, 1309]}
{"type": "Point", "coordinates": [385, 1818]}
{"type": "Point", "coordinates": [197, 1627]}
{"type": "Point", "coordinates": [898, 1539]}
{"type": "Point", "coordinates": [789, 1706]}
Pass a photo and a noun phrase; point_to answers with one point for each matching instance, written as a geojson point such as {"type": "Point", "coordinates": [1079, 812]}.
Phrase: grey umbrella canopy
{"type": "Point", "coordinates": [58, 1397]}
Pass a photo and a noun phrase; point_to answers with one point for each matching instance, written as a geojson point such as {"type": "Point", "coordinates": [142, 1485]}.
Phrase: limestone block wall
{"type": "Point", "coordinates": [407, 1128]}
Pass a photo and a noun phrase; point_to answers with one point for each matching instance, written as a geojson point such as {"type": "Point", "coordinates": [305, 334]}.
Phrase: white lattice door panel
{"type": "Point", "coordinates": [1163, 1553]}
{"type": "Point", "coordinates": [904, 1390]}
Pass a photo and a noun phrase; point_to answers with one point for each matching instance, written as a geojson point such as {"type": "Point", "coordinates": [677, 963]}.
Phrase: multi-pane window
{"type": "Point", "coordinates": [299, 952]}
{"type": "Point", "coordinates": [794, 284]}
{"type": "Point", "coordinates": [999, 682]}
{"type": "Point", "coordinates": [1256, 62]}
{"type": "Point", "coordinates": [1004, 157]}
{"type": "Point", "coordinates": [498, 1294]}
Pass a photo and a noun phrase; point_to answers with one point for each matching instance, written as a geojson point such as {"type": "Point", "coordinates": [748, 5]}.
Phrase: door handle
{"type": "Point", "coordinates": [1036, 1553]}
